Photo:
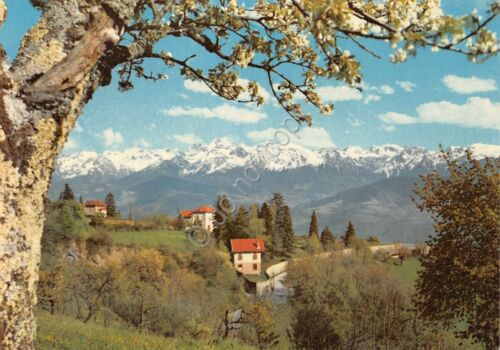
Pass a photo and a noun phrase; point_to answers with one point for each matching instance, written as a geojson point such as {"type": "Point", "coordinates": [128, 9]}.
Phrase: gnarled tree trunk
{"type": "Point", "coordinates": [61, 62]}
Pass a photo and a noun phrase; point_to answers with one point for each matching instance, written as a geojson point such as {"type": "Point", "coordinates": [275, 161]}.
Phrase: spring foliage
{"type": "Point", "coordinates": [461, 272]}
{"type": "Point", "coordinates": [308, 38]}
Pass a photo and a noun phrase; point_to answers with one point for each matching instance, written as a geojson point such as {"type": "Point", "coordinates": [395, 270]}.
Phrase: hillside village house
{"type": "Point", "coordinates": [94, 207]}
{"type": "Point", "coordinates": [247, 255]}
{"type": "Point", "coordinates": [202, 215]}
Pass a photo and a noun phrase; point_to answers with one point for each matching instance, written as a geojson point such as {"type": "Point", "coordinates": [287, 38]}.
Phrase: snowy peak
{"type": "Point", "coordinates": [111, 163]}
{"type": "Point", "coordinates": [136, 159]}
{"type": "Point", "coordinates": [222, 155]}
{"type": "Point", "coordinates": [386, 151]}
{"type": "Point", "coordinates": [481, 150]}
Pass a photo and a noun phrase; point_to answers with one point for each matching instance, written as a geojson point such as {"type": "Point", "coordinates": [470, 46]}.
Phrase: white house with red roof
{"type": "Point", "coordinates": [203, 215]}
{"type": "Point", "coordinates": [94, 207]}
{"type": "Point", "coordinates": [247, 255]}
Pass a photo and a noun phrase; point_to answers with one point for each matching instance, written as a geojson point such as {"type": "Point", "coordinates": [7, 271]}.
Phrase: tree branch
{"type": "Point", "coordinates": [3, 12]}
{"type": "Point", "coordinates": [81, 59]}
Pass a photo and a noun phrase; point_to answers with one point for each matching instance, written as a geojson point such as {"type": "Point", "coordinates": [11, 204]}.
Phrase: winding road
{"type": "Point", "coordinates": [275, 288]}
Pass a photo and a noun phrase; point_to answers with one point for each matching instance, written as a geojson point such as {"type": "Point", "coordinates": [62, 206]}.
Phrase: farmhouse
{"type": "Point", "coordinates": [247, 255]}
{"type": "Point", "coordinates": [94, 207]}
{"type": "Point", "coordinates": [202, 216]}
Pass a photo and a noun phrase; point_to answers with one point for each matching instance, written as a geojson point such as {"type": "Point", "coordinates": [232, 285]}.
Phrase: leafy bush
{"type": "Point", "coordinates": [65, 221]}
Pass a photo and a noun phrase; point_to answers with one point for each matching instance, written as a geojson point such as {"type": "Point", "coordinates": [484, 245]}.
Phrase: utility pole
{"type": "Point", "coordinates": [130, 210]}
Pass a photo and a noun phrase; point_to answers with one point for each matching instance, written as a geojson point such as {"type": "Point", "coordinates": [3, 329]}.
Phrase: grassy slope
{"type": "Point", "coordinates": [63, 333]}
{"type": "Point", "coordinates": [408, 271]}
{"type": "Point", "coordinates": [176, 240]}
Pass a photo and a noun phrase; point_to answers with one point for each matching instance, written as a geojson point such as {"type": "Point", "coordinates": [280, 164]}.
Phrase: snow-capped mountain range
{"type": "Point", "coordinates": [371, 187]}
{"type": "Point", "coordinates": [221, 155]}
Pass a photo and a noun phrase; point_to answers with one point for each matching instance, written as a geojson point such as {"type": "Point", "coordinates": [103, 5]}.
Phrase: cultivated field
{"type": "Point", "coordinates": [176, 240]}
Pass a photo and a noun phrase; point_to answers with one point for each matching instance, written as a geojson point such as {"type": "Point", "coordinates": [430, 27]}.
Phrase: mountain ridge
{"type": "Point", "coordinates": [373, 185]}
{"type": "Point", "coordinates": [221, 155]}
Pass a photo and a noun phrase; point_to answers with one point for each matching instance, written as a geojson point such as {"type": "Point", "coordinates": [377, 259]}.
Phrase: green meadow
{"type": "Point", "coordinates": [408, 271]}
{"type": "Point", "coordinates": [56, 332]}
{"type": "Point", "coordinates": [176, 240]}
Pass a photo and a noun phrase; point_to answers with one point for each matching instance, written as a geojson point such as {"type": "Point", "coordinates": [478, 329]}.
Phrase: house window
{"type": "Point", "coordinates": [255, 256]}
{"type": "Point", "coordinates": [240, 267]}
{"type": "Point", "coordinates": [255, 267]}
{"type": "Point", "coordinates": [240, 257]}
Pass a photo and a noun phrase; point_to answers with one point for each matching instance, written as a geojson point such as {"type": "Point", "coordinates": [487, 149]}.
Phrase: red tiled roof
{"type": "Point", "coordinates": [247, 245]}
{"type": "Point", "coordinates": [95, 203]}
{"type": "Point", "coordinates": [200, 210]}
{"type": "Point", "coordinates": [186, 213]}
{"type": "Point", "coordinates": [204, 209]}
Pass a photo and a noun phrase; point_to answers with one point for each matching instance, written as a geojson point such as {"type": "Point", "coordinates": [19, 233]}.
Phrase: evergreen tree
{"type": "Point", "coordinates": [80, 199]}
{"type": "Point", "coordinates": [233, 229]}
{"type": "Point", "coordinates": [67, 194]}
{"type": "Point", "coordinates": [349, 235]}
{"type": "Point", "coordinates": [277, 237]}
{"type": "Point", "coordinates": [283, 235]}
{"type": "Point", "coordinates": [267, 215]}
{"type": "Point", "coordinates": [110, 205]}
{"type": "Point", "coordinates": [243, 218]}
{"type": "Point", "coordinates": [253, 211]}
{"type": "Point", "coordinates": [327, 238]}
{"type": "Point", "coordinates": [238, 227]}
{"type": "Point", "coordinates": [228, 227]}
{"type": "Point", "coordinates": [277, 203]}
{"type": "Point", "coordinates": [313, 226]}
{"type": "Point", "coordinates": [256, 224]}
{"type": "Point", "coordinates": [222, 211]}
{"type": "Point", "coordinates": [288, 233]}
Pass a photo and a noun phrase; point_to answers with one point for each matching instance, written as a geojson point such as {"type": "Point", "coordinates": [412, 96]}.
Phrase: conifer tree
{"type": "Point", "coordinates": [283, 235]}
{"type": "Point", "coordinates": [67, 194]}
{"type": "Point", "coordinates": [238, 227]}
{"type": "Point", "coordinates": [277, 202]}
{"type": "Point", "coordinates": [267, 215]}
{"type": "Point", "coordinates": [327, 238]}
{"type": "Point", "coordinates": [233, 229]}
{"type": "Point", "coordinates": [253, 211]}
{"type": "Point", "coordinates": [256, 224]}
{"type": "Point", "coordinates": [110, 205]}
{"type": "Point", "coordinates": [222, 210]}
{"type": "Point", "coordinates": [227, 226]}
{"type": "Point", "coordinates": [349, 235]}
{"type": "Point", "coordinates": [313, 226]}
{"type": "Point", "coordinates": [80, 199]}
{"type": "Point", "coordinates": [243, 218]}
{"type": "Point", "coordinates": [288, 233]}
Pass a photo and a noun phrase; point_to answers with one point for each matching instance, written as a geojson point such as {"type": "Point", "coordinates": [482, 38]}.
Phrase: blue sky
{"type": "Point", "coordinates": [430, 100]}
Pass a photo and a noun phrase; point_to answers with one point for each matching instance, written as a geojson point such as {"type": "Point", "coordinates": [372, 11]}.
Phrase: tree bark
{"type": "Point", "coordinates": [60, 63]}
